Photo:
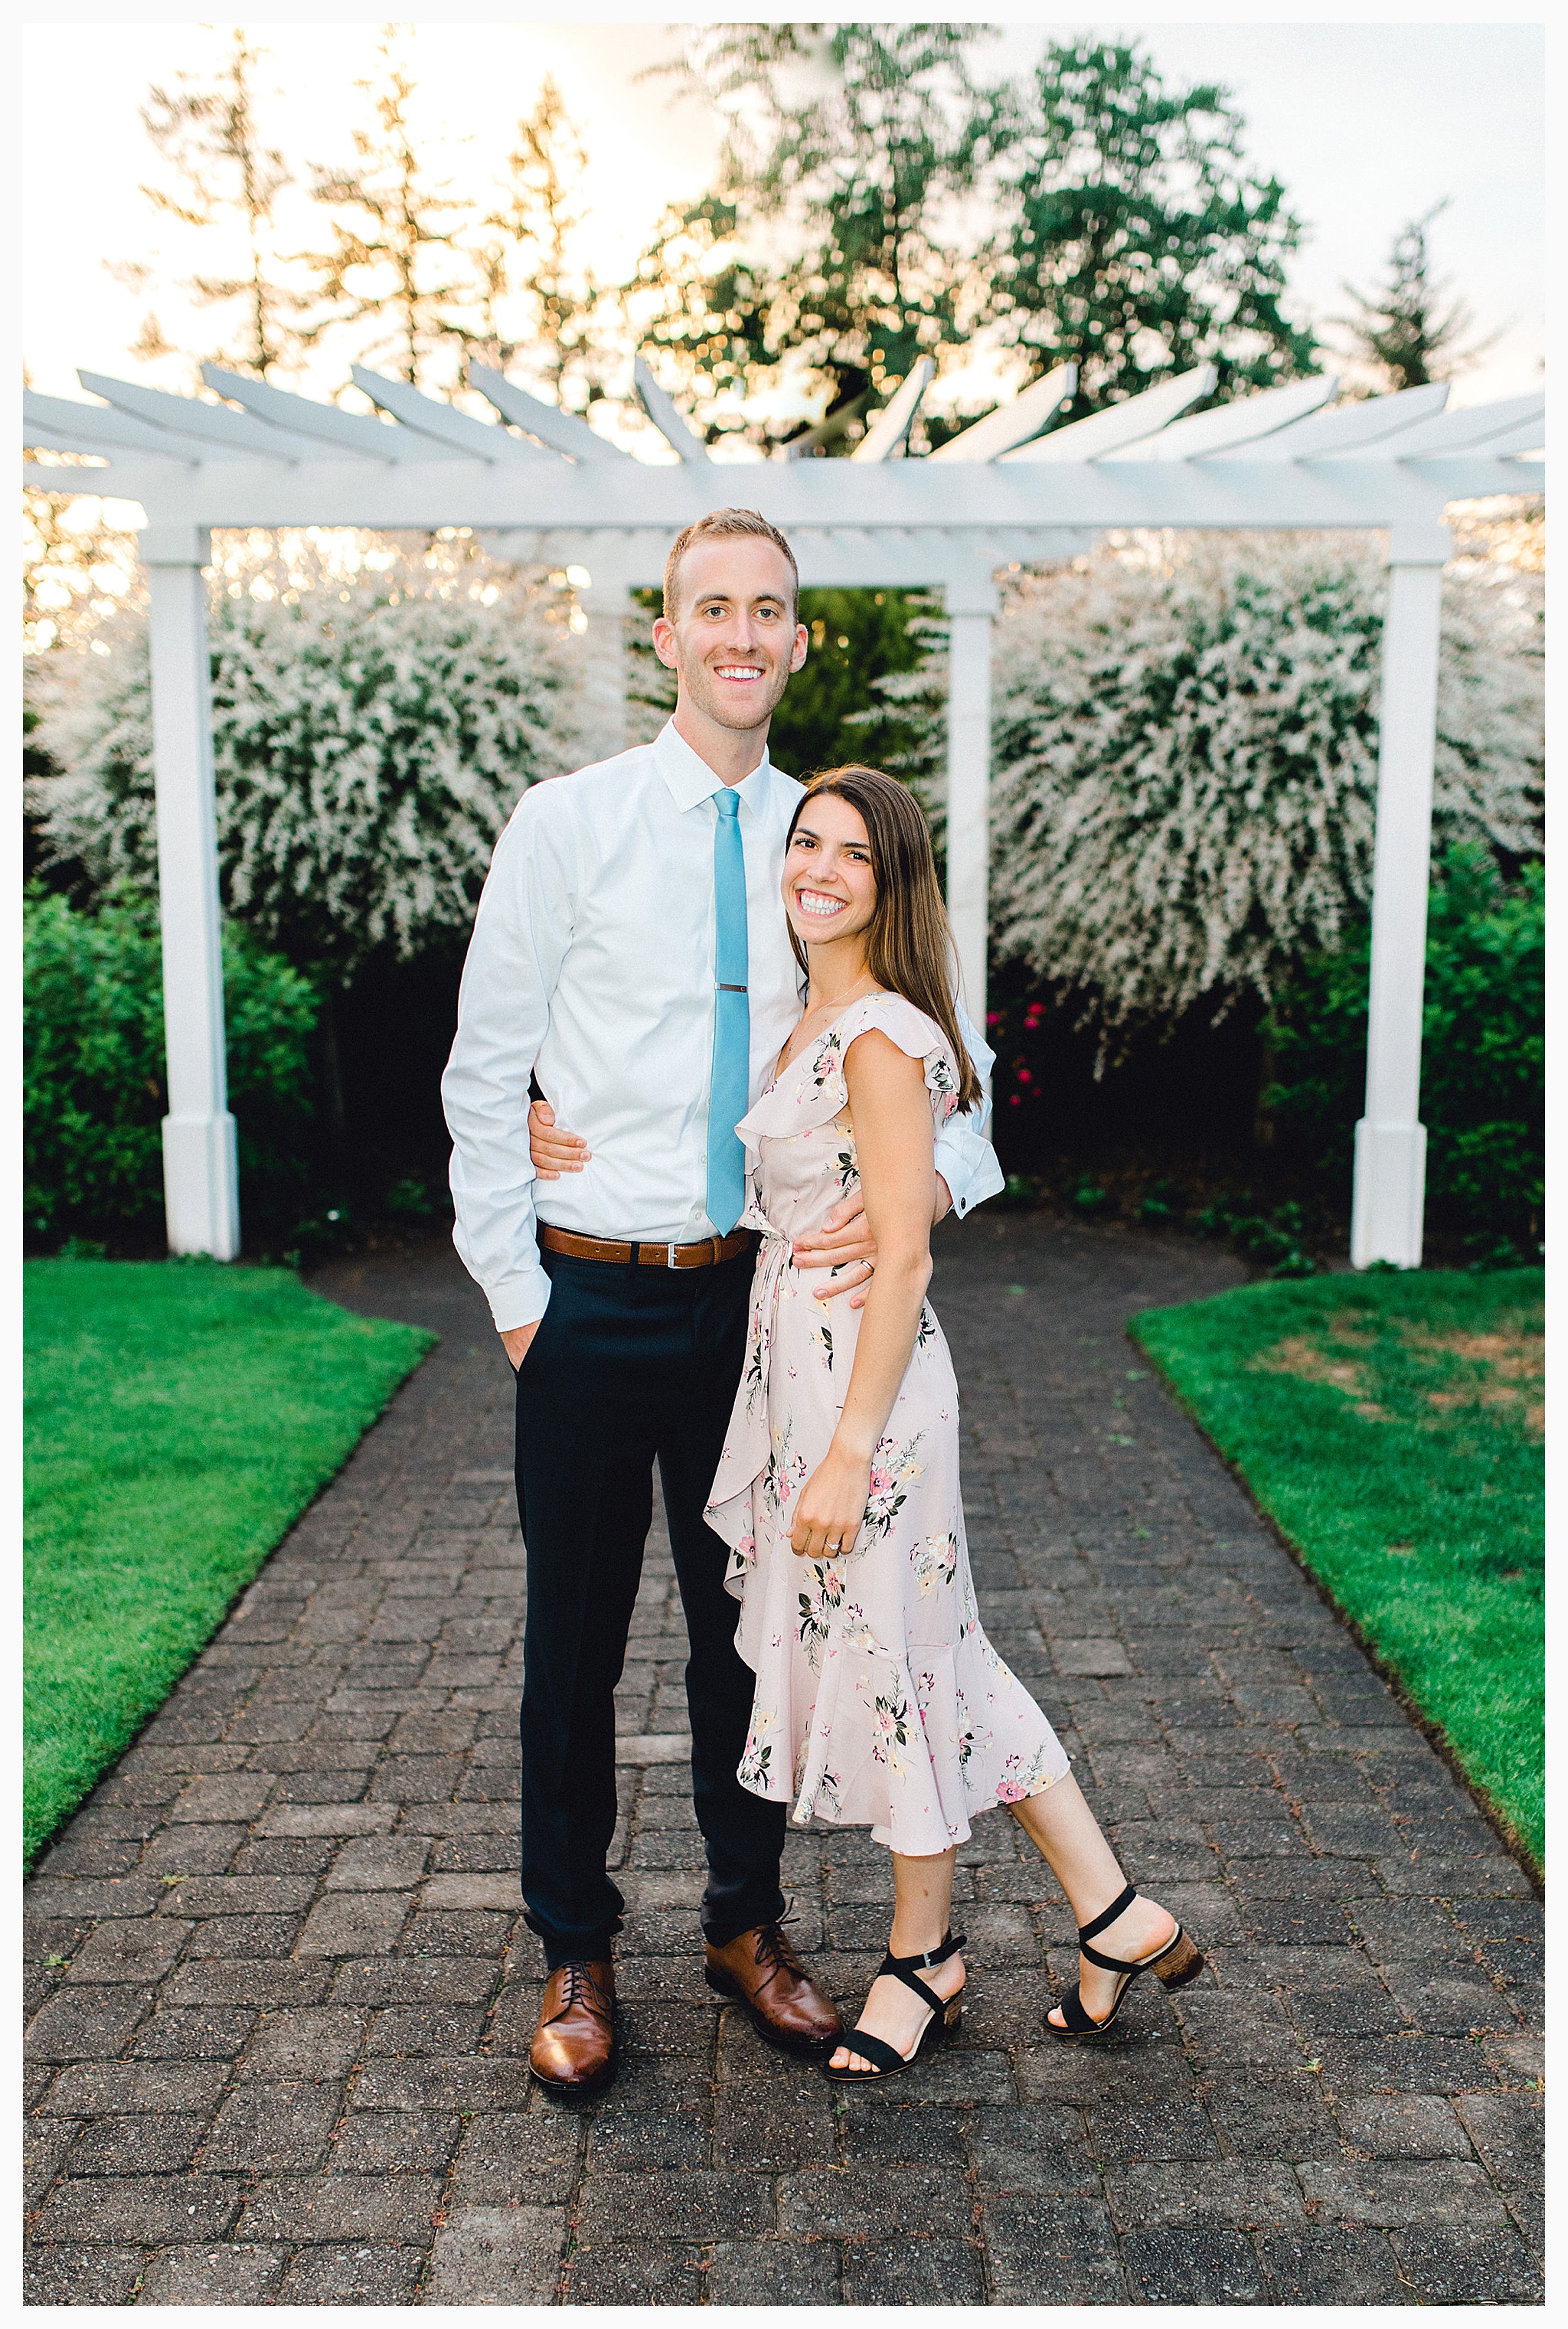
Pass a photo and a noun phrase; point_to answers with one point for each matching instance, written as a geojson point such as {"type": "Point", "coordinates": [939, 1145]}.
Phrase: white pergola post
{"type": "Point", "coordinates": [201, 1178]}
{"type": "Point", "coordinates": [971, 603]}
{"type": "Point", "coordinates": [1390, 1185]}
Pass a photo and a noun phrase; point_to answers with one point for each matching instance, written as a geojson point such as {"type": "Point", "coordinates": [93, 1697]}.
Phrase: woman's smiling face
{"type": "Point", "coordinates": [829, 884]}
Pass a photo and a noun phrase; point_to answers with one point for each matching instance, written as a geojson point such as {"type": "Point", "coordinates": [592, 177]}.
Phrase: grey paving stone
{"type": "Point", "coordinates": [496, 2256]}
{"type": "Point", "coordinates": [914, 2272]}
{"type": "Point", "coordinates": [1453, 2267]}
{"type": "Point", "coordinates": [1507, 2131]}
{"type": "Point", "coordinates": [356, 2273]}
{"type": "Point", "coordinates": [154, 2143]}
{"type": "Point", "coordinates": [774, 2139]}
{"type": "Point", "coordinates": [1403, 2126]}
{"type": "Point", "coordinates": [1194, 2266]}
{"type": "Point", "coordinates": [218, 2272]}
{"type": "Point", "coordinates": [694, 2206]}
{"type": "Point", "coordinates": [868, 2204]}
{"type": "Point", "coordinates": [272, 2130]}
{"type": "Point", "coordinates": [178, 2034]}
{"type": "Point", "coordinates": [775, 2272]}
{"type": "Point", "coordinates": [354, 1924]}
{"type": "Point", "coordinates": [506, 2158]}
{"type": "Point", "coordinates": [60, 2272]}
{"type": "Point", "coordinates": [1232, 2194]}
{"type": "Point", "coordinates": [1052, 2251]}
{"type": "Point", "coordinates": [86, 2024]}
{"type": "Point", "coordinates": [635, 2272]}
{"type": "Point", "coordinates": [395, 2143]}
{"type": "Point", "coordinates": [44, 2144]}
{"type": "Point", "coordinates": [147, 2208]}
{"type": "Point", "coordinates": [308, 2042]}
{"type": "Point", "coordinates": [320, 2209]}
{"type": "Point", "coordinates": [1346, 2266]}
{"type": "Point", "coordinates": [1452, 2193]}
{"type": "Point", "coordinates": [103, 2090]}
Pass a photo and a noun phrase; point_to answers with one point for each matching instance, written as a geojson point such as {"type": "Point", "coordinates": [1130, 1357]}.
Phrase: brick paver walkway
{"type": "Point", "coordinates": [282, 1997]}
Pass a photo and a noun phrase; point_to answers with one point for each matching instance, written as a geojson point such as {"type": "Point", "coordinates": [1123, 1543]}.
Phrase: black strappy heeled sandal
{"type": "Point", "coordinates": [946, 2015]}
{"type": "Point", "coordinates": [1179, 1961]}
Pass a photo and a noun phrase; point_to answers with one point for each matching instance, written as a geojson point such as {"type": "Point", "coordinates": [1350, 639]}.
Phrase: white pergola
{"type": "Point", "coordinates": [538, 484]}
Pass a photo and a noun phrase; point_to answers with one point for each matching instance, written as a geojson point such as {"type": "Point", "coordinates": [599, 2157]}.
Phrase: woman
{"type": "Point", "coordinates": [879, 1700]}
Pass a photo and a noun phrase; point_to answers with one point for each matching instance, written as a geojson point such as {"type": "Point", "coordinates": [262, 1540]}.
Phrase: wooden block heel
{"type": "Point", "coordinates": [1179, 1961]}
{"type": "Point", "coordinates": [1182, 1962]}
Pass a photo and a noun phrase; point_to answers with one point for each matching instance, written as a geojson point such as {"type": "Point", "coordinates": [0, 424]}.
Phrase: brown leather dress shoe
{"type": "Point", "coordinates": [573, 2044]}
{"type": "Point", "coordinates": [763, 1972]}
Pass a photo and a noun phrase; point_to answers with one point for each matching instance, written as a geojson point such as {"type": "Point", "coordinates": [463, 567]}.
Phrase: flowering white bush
{"type": "Point", "coordinates": [373, 729]}
{"type": "Point", "coordinates": [1185, 755]}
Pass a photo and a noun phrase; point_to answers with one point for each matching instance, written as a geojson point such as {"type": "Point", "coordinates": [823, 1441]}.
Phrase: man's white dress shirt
{"type": "Point", "coordinates": [591, 965]}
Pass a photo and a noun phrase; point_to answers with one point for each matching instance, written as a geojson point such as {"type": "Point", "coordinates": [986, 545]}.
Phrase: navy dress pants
{"type": "Point", "coordinates": [630, 1365]}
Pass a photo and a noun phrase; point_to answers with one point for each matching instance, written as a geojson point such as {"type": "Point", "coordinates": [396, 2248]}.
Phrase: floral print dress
{"type": "Point", "coordinates": [879, 1700]}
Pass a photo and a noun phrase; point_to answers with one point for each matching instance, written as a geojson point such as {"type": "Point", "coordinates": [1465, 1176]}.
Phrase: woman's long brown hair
{"type": "Point", "coordinates": [909, 945]}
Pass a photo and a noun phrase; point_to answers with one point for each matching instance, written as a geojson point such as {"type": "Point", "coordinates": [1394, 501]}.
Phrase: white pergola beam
{"type": "Point", "coordinates": [235, 433]}
{"type": "Point", "coordinates": [63, 426]}
{"type": "Point", "coordinates": [889, 432]}
{"type": "Point", "coordinates": [315, 425]}
{"type": "Point", "coordinates": [1349, 427]}
{"type": "Point", "coordinates": [1135, 418]}
{"type": "Point", "coordinates": [440, 422]}
{"type": "Point", "coordinates": [978, 499]}
{"type": "Point", "coordinates": [667, 417]}
{"type": "Point", "coordinates": [564, 432]}
{"type": "Point", "coordinates": [1207, 436]}
{"type": "Point", "coordinates": [1475, 428]}
{"type": "Point", "coordinates": [1014, 423]}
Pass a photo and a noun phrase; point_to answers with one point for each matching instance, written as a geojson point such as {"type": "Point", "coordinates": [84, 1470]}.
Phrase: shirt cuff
{"type": "Point", "coordinates": [519, 1301]}
{"type": "Point", "coordinates": [968, 1164]}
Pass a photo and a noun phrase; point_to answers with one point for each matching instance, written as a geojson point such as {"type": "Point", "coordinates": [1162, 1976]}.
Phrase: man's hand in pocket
{"type": "Point", "coordinates": [515, 1341]}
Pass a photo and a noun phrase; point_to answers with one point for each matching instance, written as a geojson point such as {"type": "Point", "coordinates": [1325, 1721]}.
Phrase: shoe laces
{"type": "Point", "coordinates": [775, 1952]}
{"type": "Point", "coordinates": [581, 1985]}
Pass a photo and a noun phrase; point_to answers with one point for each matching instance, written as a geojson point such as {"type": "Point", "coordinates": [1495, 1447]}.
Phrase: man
{"type": "Point", "coordinates": [630, 947]}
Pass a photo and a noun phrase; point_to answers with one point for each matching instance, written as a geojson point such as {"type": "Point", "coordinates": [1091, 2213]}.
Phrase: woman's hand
{"type": "Point", "coordinates": [552, 1150]}
{"type": "Point", "coordinates": [830, 1507]}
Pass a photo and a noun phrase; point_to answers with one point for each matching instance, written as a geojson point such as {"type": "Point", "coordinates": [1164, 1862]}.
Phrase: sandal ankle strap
{"type": "Point", "coordinates": [925, 1958]}
{"type": "Point", "coordinates": [1124, 1899]}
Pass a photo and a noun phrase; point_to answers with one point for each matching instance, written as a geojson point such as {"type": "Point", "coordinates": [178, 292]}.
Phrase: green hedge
{"type": "Point", "coordinates": [94, 1093]}
{"type": "Point", "coordinates": [1483, 1056]}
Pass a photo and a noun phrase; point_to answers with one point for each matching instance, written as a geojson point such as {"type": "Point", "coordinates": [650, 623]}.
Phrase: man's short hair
{"type": "Point", "coordinates": [705, 529]}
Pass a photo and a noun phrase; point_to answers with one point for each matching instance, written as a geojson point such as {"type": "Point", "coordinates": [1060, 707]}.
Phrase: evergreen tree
{"type": "Point", "coordinates": [535, 302]}
{"type": "Point", "coordinates": [397, 263]}
{"type": "Point", "coordinates": [225, 175]}
{"type": "Point", "coordinates": [1401, 336]}
{"type": "Point", "coordinates": [841, 241]}
{"type": "Point", "coordinates": [1138, 243]}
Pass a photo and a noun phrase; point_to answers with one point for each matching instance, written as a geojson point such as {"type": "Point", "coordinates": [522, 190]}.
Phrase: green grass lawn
{"type": "Point", "coordinates": [1390, 1426]}
{"type": "Point", "coordinates": [179, 1416]}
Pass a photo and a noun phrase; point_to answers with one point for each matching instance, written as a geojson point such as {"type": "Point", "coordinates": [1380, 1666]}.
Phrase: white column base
{"type": "Point", "coordinates": [202, 1185]}
{"type": "Point", "coordinates": [1389, 1194]}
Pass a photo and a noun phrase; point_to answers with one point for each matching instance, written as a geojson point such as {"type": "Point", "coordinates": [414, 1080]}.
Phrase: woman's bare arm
{"type": "Point", "coordinates": [892, 1114]}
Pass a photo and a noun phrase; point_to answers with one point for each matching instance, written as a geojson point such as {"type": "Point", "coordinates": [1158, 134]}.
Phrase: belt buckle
{"type": "Point", "coordinates": [670, 1261]}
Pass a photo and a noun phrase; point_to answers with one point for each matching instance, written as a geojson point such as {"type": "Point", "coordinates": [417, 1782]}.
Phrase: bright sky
{"type": "Point", "coordinates": [1367, 126]}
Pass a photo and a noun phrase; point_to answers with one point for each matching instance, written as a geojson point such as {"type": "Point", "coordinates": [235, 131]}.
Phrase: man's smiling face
{"type": "Point", "coordinates": [735, 639]}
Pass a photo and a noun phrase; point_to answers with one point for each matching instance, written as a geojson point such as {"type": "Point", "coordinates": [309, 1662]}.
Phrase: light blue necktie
{"type": "Point", "coordinates": [732, 1080]}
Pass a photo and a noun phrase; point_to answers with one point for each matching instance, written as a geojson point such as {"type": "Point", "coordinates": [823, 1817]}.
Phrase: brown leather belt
{"type": "Point", "coordinates": [700, 1255]}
